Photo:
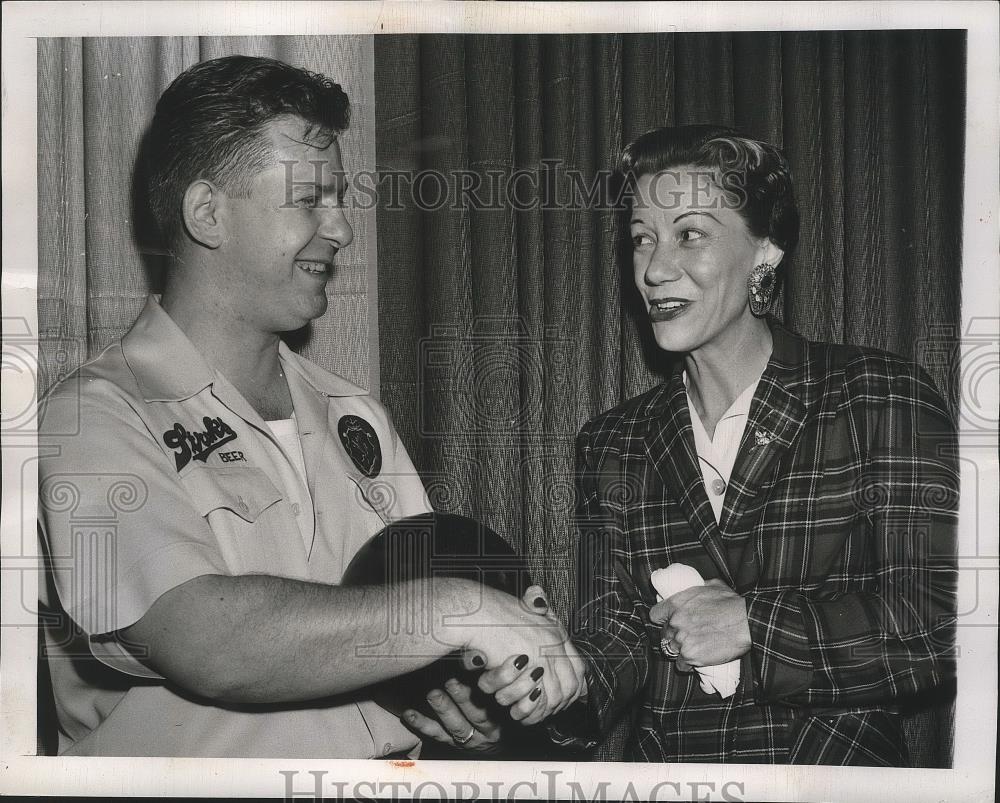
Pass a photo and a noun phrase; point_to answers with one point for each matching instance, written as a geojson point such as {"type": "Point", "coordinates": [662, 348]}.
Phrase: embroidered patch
{"type": "Point", "coordinates": [361, 444]}
{"type": "Point", "coordinates": [190, 446]}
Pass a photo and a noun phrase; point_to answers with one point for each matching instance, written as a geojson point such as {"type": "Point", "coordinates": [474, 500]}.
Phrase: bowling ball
{"type": "Point", "coordinates": [434, 545]}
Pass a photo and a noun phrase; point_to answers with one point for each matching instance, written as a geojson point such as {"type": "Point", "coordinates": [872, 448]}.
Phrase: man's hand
{"type": "Point", "coordinates": [520, 685]}
{"type": "Point", "coordinates": [461, 723]}
{"type": "Point", "coordinates": [704, 625]}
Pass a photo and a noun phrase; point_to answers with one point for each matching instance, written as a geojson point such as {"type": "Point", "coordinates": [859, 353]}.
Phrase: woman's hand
{"type": "Point", "coordinates": [461, 723]}
{"type": "Point", "coordinates": [518, 684]}
{"type": "Point", "coordinates": [703, 625]}
{"type": "Point", "coordinates": [502, 629]}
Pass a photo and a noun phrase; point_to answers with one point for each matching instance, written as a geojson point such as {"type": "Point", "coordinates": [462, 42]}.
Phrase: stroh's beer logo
{"type": "Point", "coordinates": [190, 446]}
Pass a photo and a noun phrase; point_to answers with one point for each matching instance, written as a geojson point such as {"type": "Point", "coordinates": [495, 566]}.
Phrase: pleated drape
{"type": "Point", "coordinates": [503, 330]}
{"type": "Point", "coordinates": [95, 98]}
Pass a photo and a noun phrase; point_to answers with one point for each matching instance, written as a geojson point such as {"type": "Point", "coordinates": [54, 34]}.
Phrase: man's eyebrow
{"type": "Point", "coordinates": [697, 212]}
{"type": "Point", "coordinates": [339, 185]}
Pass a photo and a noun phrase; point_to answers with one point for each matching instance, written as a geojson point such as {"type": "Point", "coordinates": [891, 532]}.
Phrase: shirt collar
{"type": "Point", "coordinates": [740, 406]}
{"type": "Point", "coordinates": [168, 367]}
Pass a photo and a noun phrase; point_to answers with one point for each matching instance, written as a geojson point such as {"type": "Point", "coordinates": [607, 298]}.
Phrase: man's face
{"type": "Point", "coordinates": [282, 239]}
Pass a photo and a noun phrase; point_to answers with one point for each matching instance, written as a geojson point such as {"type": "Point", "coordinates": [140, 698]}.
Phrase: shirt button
{"type": "Point", "coordinates": [296, 508]}
{"type": "Point", "coordinates": [718, 487]}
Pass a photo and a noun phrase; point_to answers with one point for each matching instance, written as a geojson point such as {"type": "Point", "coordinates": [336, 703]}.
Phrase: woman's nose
{"type": "Point", "coordinates": [662, 267]}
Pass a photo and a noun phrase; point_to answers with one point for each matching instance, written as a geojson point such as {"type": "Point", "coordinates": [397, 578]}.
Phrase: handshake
{"type": "Point", "coordinates": [529, 665]}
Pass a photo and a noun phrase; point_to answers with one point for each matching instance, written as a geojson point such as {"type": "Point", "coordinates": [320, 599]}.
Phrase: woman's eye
{"type": "Point", "coordinates": [306, 203]}
{"type": "Point", "coordinates": [691, 234]}
{"type": "Point", "coordinates": [639, 240]}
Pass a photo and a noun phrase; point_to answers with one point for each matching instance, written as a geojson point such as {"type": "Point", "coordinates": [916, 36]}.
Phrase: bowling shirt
{"type": "Point", "coordinates": [155, 470]}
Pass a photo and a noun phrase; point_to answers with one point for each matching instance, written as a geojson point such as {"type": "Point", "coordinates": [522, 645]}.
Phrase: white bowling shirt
{"type": "Point", "coordinates": [154, 470]}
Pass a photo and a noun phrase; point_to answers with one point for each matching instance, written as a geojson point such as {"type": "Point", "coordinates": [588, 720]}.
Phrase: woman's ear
{"type": "Point", "coordinates": [772, 253]}
{"type": "Point", "coordinates": [201, 209]}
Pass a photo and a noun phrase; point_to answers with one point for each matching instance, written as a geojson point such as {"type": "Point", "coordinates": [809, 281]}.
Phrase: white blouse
{"type": "Point", "coordinates": [717, 455]}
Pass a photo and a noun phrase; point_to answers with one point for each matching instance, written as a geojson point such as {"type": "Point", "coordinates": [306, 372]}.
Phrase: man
{"type": "Point", "coordinates": [240, 478]}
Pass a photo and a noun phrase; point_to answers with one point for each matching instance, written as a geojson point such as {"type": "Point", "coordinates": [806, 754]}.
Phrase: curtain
{"type": "Point", "coordinates": [503, 329]}
{"type": "Point", "coordinates": [98, 257]}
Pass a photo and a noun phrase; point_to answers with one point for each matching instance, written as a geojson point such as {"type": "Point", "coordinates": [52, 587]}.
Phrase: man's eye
{"type": "Point", "coordinates": [307, 203]}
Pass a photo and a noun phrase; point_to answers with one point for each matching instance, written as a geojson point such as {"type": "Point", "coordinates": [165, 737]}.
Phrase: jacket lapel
{"type": "Point", "coordinates": [777, 414]}
{"type": "Point", "coordinates": [670, 447]}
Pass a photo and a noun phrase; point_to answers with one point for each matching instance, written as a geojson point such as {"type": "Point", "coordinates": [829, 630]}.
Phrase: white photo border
{"type": "Point", "coordinates": [24, 773]}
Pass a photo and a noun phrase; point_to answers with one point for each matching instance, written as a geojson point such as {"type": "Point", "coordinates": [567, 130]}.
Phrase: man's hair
{"type": "Point", "coordinates": [209, 124]}
{"type": "Point", "coordinates": [755, 173]}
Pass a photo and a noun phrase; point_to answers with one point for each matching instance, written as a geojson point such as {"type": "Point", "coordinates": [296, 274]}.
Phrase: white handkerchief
{"type": "Point", "coordinates": [723, 678]}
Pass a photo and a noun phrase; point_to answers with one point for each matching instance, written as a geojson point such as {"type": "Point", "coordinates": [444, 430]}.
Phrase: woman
{"type": "Point", "coordinates": [812, 485]}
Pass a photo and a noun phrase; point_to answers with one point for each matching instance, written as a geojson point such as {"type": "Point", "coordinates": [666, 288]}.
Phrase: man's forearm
{"type": "Point", "coordinates": [258, 638]}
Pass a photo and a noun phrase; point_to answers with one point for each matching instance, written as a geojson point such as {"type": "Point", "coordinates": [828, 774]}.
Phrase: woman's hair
{"type": "Point", "coordinates": [209, 124]}
{"type": "Point", "coordinates": [754, 174]}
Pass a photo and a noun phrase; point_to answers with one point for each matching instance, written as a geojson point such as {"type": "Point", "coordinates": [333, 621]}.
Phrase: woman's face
{"type": "Point", "coordinates": [692, 254]}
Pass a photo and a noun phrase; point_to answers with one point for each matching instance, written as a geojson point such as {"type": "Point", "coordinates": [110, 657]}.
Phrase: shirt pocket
{"type": "Point", "coordinates": [246, 492]}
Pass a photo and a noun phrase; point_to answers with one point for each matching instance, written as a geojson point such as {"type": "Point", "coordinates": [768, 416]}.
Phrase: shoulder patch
{"type": "Point", "coordinates": [361, 444]}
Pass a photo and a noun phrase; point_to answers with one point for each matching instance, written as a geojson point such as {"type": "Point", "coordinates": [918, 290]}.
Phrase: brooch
{"type": "Point", "coordinates": [762, 438]}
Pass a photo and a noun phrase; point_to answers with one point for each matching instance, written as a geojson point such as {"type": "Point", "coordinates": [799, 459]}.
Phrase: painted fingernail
{"type": "Point", "coordinates": [410, 716]}
{"type": "Point", "coordinates": [535, 694]}
{"type": "Point", "coordinates": [520, 662]}
{"type": "Point", "coordinates": [477, 660]}
{"type": "Point", "coordinates": [537, 672]}
{"type": "Point", "coordinates": [539, 602]}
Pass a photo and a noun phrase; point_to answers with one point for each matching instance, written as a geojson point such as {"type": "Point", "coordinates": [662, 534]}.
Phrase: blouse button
{"type": "Point", "coordinates": [243, 505]}
{"type": "Point", "coordinates": [718, 487]}
{"type": "Point", "coordinates": [296, 508]}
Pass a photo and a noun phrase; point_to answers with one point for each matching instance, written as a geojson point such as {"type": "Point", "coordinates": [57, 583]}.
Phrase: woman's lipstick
{"type": "Point", "coordinates": [667, 309]}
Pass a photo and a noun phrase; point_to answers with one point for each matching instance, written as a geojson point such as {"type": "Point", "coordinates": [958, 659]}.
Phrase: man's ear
{"type": "Point", "coordinates": [202, 207]}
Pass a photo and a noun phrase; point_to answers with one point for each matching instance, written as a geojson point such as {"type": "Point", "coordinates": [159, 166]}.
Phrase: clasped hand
{"type": "Point", "coordinates": [529, 665]}
{"type": "Point", "coordinates": [703, 625]}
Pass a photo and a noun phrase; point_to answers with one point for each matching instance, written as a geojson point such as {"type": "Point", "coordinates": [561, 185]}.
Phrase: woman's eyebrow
{"type": "Point", "coordinates": [697, 212]}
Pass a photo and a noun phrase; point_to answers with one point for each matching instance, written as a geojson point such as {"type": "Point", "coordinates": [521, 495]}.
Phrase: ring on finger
{"type": "Point", "coordinates": [465, 739]}
{"type": "Point", "coordinates": [668, 649]}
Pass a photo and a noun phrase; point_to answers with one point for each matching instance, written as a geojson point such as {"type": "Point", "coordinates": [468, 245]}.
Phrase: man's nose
{"type": "Point", "coordinates": [662, 266]}
{"type": "Point", "coordinates": [334, 227]}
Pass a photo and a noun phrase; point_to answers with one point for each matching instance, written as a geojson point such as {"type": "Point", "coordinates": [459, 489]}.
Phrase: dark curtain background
{"type": "Point", "coordinates": [502, 331]}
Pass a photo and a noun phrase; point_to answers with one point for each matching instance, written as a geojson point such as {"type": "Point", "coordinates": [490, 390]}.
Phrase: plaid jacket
{"type": "Point", "coordinates": [838, 530]}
